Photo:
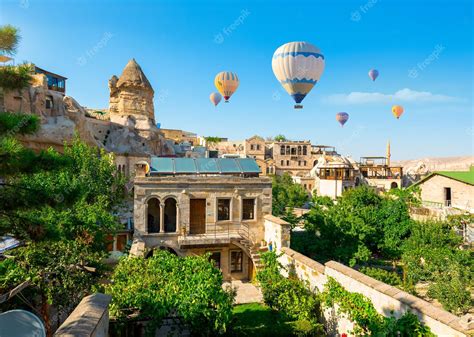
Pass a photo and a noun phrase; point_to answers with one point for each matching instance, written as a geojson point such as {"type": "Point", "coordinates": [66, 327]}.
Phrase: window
{"type": "Point", "coordinates": [293, 151]}
{"type": "Point", "coordinates": [223, 209]}
{"type": "Point", "coordinates": [299, 150]}
{"type": "Point", "coordinates": [287, 163]}
{"type": "Point", "coordinates": [304, 186]}
{"type": "Point", "coordinates": [288, 150]}
{"type": "Point", "coordinates": [49, 102]}
{"type": "Point", "coordinates": [282, 150]}
{"type": "Point", "coordinates": [216, 258]}
{"type": "Point", "coordinates": [153, 219]}
{"type": "Point", "coordinates": [282, 163]}
{"type": "Point", "coordinates": [236, 261]}
{"type": "Point", "coordinates": [258, 147]}
{"type": "Point", "coordinates": [299, 162]}
{"type": "Point", "coordinates": [248, 209]}
{"type": "Point", "coordinates": [304, 163]}
{"type": "Point", "coordinates": [251, 147]}
{"type": "Point", "coordinates": [305, 151]}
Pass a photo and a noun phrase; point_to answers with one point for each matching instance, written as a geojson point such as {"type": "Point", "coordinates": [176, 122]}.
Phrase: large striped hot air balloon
{"type": "Point", "coordinates": [298, 66]}
{"type": "Point", "coordinates": [342, 118]}
{"type": "Point", "coordinates": [215, 98]}
{"type": "Point", "coordinates": [397, 111]}
{"type": "Point", "coordinates": [226, 83]}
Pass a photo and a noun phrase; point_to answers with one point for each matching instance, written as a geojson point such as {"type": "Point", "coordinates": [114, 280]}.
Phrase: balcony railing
{"type": "Point", "coordinates": [219, 233]}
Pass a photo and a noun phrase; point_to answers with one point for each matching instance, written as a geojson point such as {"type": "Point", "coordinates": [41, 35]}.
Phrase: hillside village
{"type": "Point", "coordinates": [186, 197]}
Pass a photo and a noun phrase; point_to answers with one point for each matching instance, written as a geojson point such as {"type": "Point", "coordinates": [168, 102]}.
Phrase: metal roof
{"type": "Point", "coordinates": [162, 165]}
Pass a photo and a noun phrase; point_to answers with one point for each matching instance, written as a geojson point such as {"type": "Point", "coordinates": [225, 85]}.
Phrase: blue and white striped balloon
{"type": "Point", "coordinates": [298, 66]}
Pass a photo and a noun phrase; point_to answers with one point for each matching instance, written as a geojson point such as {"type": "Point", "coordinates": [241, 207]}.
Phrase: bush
{"type": "Point", "coordinates": [15, 77]}
{"type": "Point", "coordinates": [288, 295]}
{"type": "Point", "coordinates": [382, 275]}
{"type": "Point", "coordinates": [452, 294]}
{"type": "Point", "coordinates": [166, 285]}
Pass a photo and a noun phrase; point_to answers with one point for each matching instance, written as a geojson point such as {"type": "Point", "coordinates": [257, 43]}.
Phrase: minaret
{"type": "Point", "coordinates": [388, 153]}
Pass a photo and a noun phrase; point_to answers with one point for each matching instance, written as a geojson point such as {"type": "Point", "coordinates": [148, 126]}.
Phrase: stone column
{"type": "Point", "coordinates": [162, 218]}
{"type": "Point", "coordinates": [178, 227]}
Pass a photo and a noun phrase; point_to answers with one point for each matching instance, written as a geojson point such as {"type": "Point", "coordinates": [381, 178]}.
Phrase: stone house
{"type": "Point", "coordinates": [193, 206]}
{"type": "Point", "coordinates": [448, 189]}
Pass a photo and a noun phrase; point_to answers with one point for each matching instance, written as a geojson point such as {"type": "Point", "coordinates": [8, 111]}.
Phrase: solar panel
{"type": "Point", "coordinates": [207, 165]}
{"type": "Point", "coordinates": [161, 165]}
{"type": "Point", "coordinates": [249, 165]}
{"type": "Point", "coordinates": [228, 165]}
{"type": "Point", "coordinates": [184, 165]}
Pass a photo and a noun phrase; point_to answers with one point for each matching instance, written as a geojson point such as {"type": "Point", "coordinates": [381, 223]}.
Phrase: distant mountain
{"type": "Point", "coordinates": [431, 164]}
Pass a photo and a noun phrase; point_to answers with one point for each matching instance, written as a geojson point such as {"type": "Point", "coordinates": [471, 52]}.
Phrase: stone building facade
{"type": "Point", "coordinates": [194, 213]}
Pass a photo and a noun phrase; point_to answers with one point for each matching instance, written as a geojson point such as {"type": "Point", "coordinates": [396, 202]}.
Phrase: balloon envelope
{"type": "Point", "coordinates": [226, 83]}
{"type": "Point", "coordinates": [215, 98]}
{"type": "Point", "coordinates": [373, 74]}
{"type": "Point", "coordinates": [342, 117]}
{"type": "Point", "coordinates": [397, 111]}
{"type": "Point", "coordinates": [298, 67]}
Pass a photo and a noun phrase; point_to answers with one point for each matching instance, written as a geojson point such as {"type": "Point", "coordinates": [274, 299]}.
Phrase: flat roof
{"type": "Point", "coordinates": [163, 165]}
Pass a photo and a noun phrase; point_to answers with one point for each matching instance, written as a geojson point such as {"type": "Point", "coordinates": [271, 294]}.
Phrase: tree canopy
{"type": "Point", "coordinates": [287, 194]}
{"type": "Point", "coordinates": [164, 285]}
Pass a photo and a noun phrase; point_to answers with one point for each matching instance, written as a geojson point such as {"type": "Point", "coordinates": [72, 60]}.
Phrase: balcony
{"type": "Point", "coordinates": [215, 235]}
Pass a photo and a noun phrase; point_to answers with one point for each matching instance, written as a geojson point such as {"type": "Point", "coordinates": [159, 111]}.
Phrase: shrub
{"type": "Point", "coordinates": [382, 275]}
{"type": "Point", "coordinates": [288, 295]}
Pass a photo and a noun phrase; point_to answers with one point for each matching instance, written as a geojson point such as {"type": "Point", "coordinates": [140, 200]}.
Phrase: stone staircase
{"type": "Point", "coordinates": [254, 252]}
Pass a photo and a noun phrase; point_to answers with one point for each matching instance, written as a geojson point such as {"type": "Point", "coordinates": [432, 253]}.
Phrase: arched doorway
{"type": "Point", "coordinates": [170, 215]}
{"type": "Point", "coordinates": [393, 185]}
{"type": "Point", "coordinates": [153, 216]}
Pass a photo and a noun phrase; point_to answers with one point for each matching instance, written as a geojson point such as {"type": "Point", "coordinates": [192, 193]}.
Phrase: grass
{"type": "Point", "coordinates": [256, 319]}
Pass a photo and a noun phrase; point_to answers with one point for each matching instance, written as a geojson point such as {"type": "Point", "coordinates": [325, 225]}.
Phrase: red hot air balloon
{"type": "Point", "coordinates": [342, 118]}
{"type": "Point", "coordinates": [373, 74]}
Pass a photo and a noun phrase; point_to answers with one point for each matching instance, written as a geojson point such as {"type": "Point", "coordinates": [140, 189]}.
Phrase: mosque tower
{"type": "Point", "coordinates": [388, 155]}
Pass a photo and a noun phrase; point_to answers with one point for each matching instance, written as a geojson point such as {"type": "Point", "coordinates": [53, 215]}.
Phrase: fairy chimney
{"type": "Point", "coordinates": [131, 94]}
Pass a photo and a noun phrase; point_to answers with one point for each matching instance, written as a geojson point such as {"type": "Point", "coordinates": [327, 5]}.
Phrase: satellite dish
{"type": "Point", "coordinates": [21, 323]}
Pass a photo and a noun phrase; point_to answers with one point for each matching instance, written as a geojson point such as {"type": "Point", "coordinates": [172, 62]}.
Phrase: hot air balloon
{"type": "Point", "coordinates": [298, 66]}
{"type": "Point", "coordinates": [373, 74]}
{"type": "Point", "coordinates": [215, 98]}
{"type": "Point", "coordinates": [342, 118]}
{"type": "Point", "coordinates": [226, 83]}
{"type": "Point", "coordinates": [397, 111]}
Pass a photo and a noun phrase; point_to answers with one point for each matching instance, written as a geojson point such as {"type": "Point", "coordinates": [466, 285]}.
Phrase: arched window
{"type": "Point", "coordinates": [282, 150]}
{"type": "Point", "coordinates": [170, 215]}
{"type": "Point", "coordinates": [393, 185]}
{"type": "Point", "coordinates": [293, 151]}
{"type": "Point", "coordinates": [288, 150]}
{"type": "Point", "coordinates": [305, 150]}
{"type": "Point", "coordinates": [299, 150]}
{"type": "Point", "coordinates": [153, 216]}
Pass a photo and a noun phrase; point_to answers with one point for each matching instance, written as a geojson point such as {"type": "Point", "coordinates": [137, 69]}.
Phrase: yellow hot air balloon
{"type": "Point", "coordinates": [397, 111]}
{"type": "Point", "coordinates": [226, 83]}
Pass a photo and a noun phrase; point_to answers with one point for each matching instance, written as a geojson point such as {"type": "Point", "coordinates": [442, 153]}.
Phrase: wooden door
{"type": "Point", "coordinates": [197, 216]}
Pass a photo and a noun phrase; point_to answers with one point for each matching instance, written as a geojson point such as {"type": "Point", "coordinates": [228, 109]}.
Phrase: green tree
{"type": "Point", "coordinates": [361, 224]}
{"type": "Point", "coordinates": [9, 39]}
{"type": "Point", "coordinates": [280, 138]}
{"type": "Point", "coordinates": [163, 285]}
{"type": "Point", "coordinates": [432, 254]}
{"type": "Point", "coordinates": [60, 274]}
{"type": "Point", "coordinates": [287, 194]}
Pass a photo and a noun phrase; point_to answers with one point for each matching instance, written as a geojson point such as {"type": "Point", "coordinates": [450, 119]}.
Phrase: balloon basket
{"type": "Point", "coordinates": [298, 106]}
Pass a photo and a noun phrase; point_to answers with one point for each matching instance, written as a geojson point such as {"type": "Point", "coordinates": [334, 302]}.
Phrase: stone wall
{"type": "Point", "coordinates": [89, 319]}
{"type": "Point", "coordinates": [386, 299]}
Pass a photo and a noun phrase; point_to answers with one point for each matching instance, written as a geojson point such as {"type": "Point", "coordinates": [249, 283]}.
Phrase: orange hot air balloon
{"type": "Point", "coordinates": [397, 111]}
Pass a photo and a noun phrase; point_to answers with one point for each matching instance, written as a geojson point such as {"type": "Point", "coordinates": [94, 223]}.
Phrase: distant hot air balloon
{"type": "Point", "coordinates": [215, 98]}
{"type": "Point", "coordinates": [342, 118]}
{"type": "Point", "coordinates": [373, 74]}
{"type": "Point", "coordinates": [298, 66]}
{"type": "Point", "coordinates": [397, 111]}
{"type": "Point", "coordinates": [226, 83]}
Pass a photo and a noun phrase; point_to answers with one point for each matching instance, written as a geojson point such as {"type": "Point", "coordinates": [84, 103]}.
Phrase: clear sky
{"type": "Point", "coordinates": [423, 50]}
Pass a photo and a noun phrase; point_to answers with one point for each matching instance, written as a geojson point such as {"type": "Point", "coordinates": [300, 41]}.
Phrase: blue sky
{"type": "Point", "coordinates": [423, 50]}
